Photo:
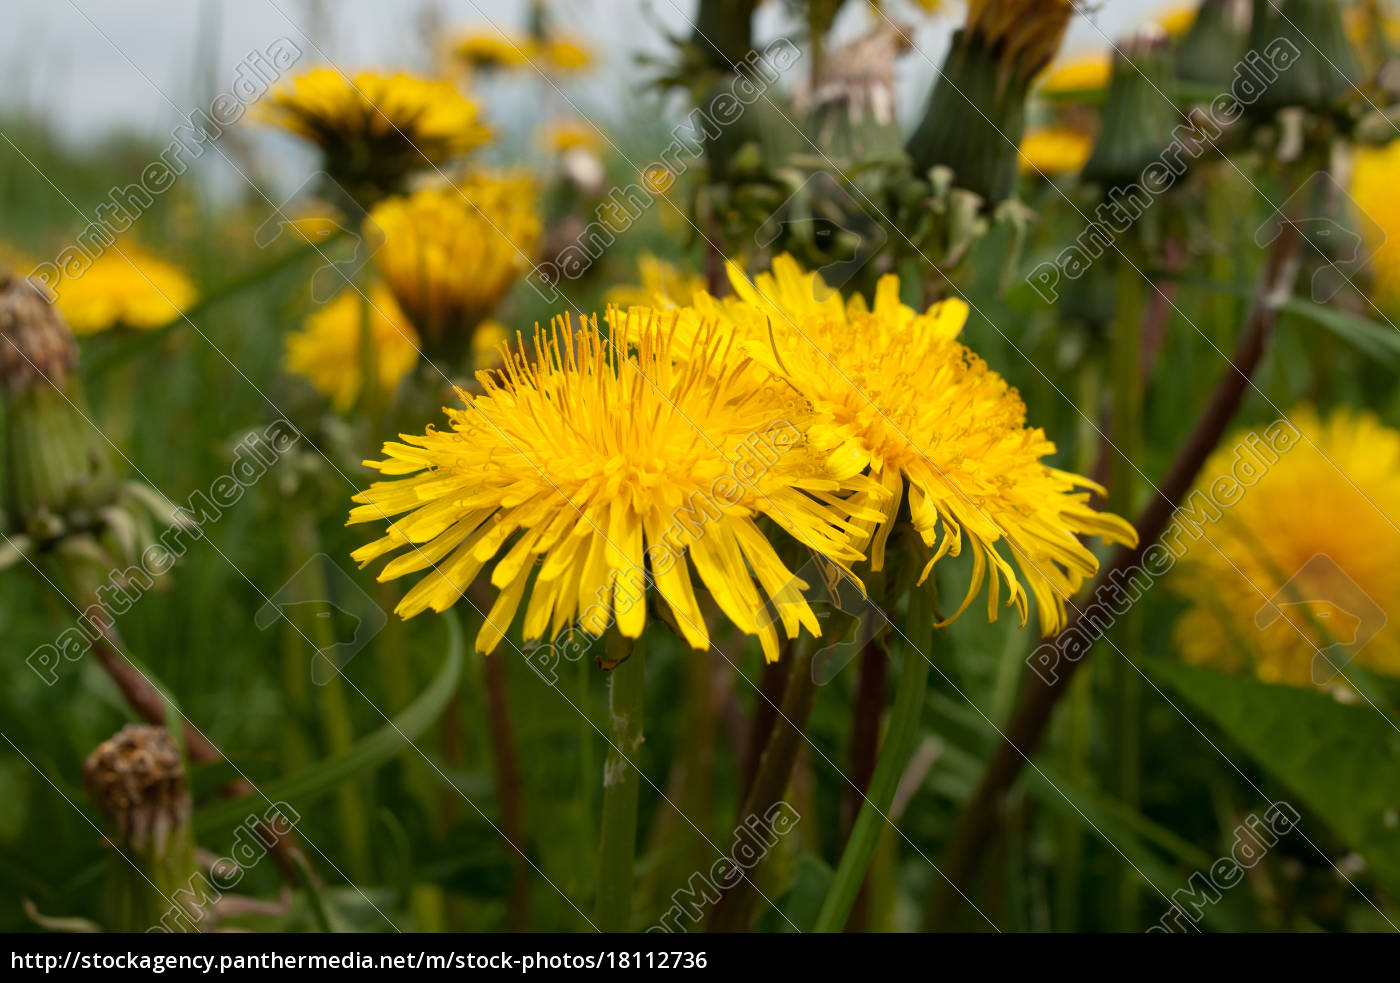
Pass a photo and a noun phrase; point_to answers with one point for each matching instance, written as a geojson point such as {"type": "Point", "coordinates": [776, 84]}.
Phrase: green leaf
{"type": "Point", "coordinates": [1373, 338]}
{"type": "Point", "coordinates": [811, 882]}
{"type": "Point", "coordinates": [365, 755]}
{"type": "Point", "coordinates": [1341, 761]}
{"type": "Point", "coordinates": [1127, 831]}
{"type": "Point", "coordinates": [1379, 341]}
{"type": "Point", "coordinates": [320, 913]}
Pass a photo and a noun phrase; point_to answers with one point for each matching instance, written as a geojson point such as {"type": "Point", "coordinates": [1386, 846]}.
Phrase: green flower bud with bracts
{"type": "Point", "coordinates": [1323, 67]}
{"type": "Point", "coordinates": [1214, 44]}
{"type": "Point", "coordinates": [1138, 113]}
{"type": "Point", "coordinates": [976, 114]}
{"type": "Point", "coordinates": [63, 496]}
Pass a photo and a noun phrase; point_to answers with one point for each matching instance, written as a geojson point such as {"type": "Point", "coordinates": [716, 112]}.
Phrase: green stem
{"type": "Point", "coordinates": [1074, 744]}
{"type": "Point", "coordinates": [315, 898]}
{"type": "Point", "coordinates": [399, 678]}
{"type": "Point", "coordinates": [372, 400]}
{"type": "Point", "coordinates": [1126, 682]}
{"type": "Point", "coordinates": [899, 744]}
{"type": "Point", "coordinates": [734, 909]}
{"type": "Point", "coordinates": [337, 726]}
{"type": "Point", "coordinates": [506, 768]}
{"type": "Point", "coordinates": [587, 755]}
{"type": "Point", "coordinates": [1069, 863]}
{"type": "Point", "coordinates": [617, 851]}
{"type": "Point", "coordinates": [677, 841]}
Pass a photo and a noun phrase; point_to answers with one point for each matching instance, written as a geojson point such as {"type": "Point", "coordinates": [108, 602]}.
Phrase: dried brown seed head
{"type": "Point", "coordinates": [35, 343]}
{"type": "Point", "coordinates": [137, 780]}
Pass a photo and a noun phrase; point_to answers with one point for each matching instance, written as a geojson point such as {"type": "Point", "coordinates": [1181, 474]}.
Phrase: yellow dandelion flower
{"type": "Point", "coordinates": [658, 179]}
{"type": "Point", "coordinates": [1304, 558]}
{"type": "Point", "coordinates": [488, 344]}
{"type": "Point", "coordinates": [125, 287]}
{"type": "Point", "coordinates": [1361, 26]}
{"type": "Point", "coordinates": [664, 285]}
{"type": "Point", "coordinates": [375, 129]}
{"type": "Point", "coordinates": [14, 261]}
{"type": "Point", "coordinates": [896, 393]}
{"type": "Point", "coordinates": [326, 351]}
{"type": "Point", "coordinates": [1054, 151]}
{"type": "Point", "coordinates": [566, 135]}
{"type": "Point", "coordinates": [315, 226]}
{"type": "Point", "coordinates": [552, 468]}
{"type": "Point", "coordinates": [1083, 73]}
{"type": "Point", "coordinates": [1373, 181]}
{"type": "Point", "coordinates": [1176, 20]}
{"type": "Point", "coordinates": [563, 53]}
{"type": "Point", "coordinates": [451, 253]}
{"type": "Point", "coordinates": [489, 50]}
{"type": "Point", "coordinates": [927, 6]}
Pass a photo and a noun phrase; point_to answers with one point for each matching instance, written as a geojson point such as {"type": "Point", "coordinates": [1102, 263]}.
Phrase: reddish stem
{"type": "Point", "coordinates": [980, 820]}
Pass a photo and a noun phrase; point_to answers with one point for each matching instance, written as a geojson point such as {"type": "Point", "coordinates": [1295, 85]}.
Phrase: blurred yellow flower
{"type": "Point", "coordinates": [486, 344]}
{"type": "Point", "coordinates": [1078, 74]}
{"type": "Point", "coordinates": [14, 261]}
{"type": "Point", "coordinates": [562, 136]}
{"type": "Point", "coordinates": [563, 54]}
{"type": "Point", "coordinates": [550, 469]}
{"type": "Point", "coordinates": [1177, 19]}
{"type": "Point", "coordinates": [1374, 178]}
{"type": "Point", "coordinates": [375, 129]}
{"type": "Point", "coordinates": [327, 350]}
{"type": "Point", "coordinates": [451, 253]}
{"type": "Point", "coordinates": [664, 285]}
{"type": "Point", "coordinates": [658, 179]}
{"type": "Point", "coordinates": [1308, 556]}
{"type": "Point", "coordinates": [1054, 151]}
{"type": "Point", "coordinates": [489, 49]}
{"type": "Point", "coordinates": [927, 6]}
{"type": "Point", "coordinates": [895, 392]}
{"type": "Point", "coordinates": [125, 287]}
{"type": "Point", "coordinates": [1361, 25]}
{"type": "Point", "coordinates": [316, 227]}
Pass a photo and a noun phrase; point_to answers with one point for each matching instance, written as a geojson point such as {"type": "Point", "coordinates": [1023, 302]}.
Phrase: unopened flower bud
{"type": "Point", "coordinates": [1323, 68]}
{"type": "Point", "coordinates": [976, 114]}
{"type": "Point", "coordinates": [1210, 50]}
{"type": "Point", "coordinates": [1138, 112]}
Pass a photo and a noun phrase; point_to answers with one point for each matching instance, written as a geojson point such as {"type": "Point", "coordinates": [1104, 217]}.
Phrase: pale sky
{"type": "Point", "coordinates": [91, 66]}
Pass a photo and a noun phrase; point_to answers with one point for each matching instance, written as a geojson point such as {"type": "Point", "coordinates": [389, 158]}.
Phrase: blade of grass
{"type": "Point", "coordinates": [367, 753]}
